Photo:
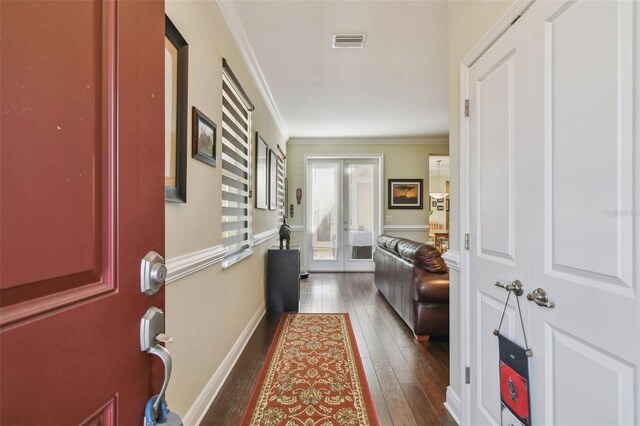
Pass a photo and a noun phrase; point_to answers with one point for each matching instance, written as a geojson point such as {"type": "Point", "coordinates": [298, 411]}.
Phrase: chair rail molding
{"type": "Point", "coordinates": [264, 236]}
{"type": "Point", "coordinates": [181, 266]}
{"type": "Point", "coordinates": [452, 259]}
{"type": "Point", "coordinates": [297, 228]}
{"type": "Point", "coordinates": [202, 403]}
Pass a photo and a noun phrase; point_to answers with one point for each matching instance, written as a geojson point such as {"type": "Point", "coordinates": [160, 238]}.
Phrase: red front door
{"type": "Point", "coordinates": [81, 202]}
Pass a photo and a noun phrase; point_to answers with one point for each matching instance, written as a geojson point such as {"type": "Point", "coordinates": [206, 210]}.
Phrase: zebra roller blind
{"type": "Point", "coordinates": [236, 169]}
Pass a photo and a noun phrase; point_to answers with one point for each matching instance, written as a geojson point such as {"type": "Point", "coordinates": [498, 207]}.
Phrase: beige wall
{"type": "Point", "coordinates": [469, 21]}
{"type": "Point", "coordinates": [207, 311]}
{"type": "Point", "coordinates": [400, 161]}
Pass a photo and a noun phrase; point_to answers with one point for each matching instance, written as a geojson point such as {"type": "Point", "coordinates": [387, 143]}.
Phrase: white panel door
{"type": "Point", "coordinates": [499, 191]}
{"type": "Point", "coordinates": [585, 230]}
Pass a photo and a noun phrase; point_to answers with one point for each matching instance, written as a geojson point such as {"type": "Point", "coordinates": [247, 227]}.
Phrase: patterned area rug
{"type": "Point", "coordinates": [312, 376]}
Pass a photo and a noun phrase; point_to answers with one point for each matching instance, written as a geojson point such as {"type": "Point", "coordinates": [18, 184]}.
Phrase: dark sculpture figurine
{"type": "Point", "coordinates": [285, 232]}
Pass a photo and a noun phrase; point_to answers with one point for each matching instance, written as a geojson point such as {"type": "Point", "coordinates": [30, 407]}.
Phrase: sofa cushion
{"type": "Point", "coordinates": [389, 243]}
{"type": "Point", "coordinates": [425, 256]}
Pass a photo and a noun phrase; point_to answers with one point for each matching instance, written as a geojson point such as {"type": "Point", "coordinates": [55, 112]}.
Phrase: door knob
{"type": "Point", "coordinates": [540, 297]}
{"type": "Point", "coordinates": [516, 287]}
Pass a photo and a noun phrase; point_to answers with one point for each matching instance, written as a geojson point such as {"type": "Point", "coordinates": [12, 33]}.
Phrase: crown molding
{"type": "Point", "coordinates": [231, 17]}
{"type": "Point", "coordinates": [435, 140]}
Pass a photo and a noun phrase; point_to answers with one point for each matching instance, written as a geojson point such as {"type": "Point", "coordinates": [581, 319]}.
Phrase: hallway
{"type": "Point", "coordinates": [407, 378]}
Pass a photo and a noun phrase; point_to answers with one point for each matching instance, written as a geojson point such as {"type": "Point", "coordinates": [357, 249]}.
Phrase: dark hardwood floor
{"type": "Point", "coordinates": [407, 378]}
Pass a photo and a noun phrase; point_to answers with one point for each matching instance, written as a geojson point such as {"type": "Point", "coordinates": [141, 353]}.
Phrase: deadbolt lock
{"type": "Point", "coordinates": [153, 273]}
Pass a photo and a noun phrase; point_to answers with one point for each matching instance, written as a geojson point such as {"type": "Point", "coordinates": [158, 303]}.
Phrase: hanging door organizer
{"type": "Point", "coordinates": [514, 368]}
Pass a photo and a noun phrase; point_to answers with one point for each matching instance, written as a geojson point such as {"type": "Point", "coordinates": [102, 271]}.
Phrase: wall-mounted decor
{"type": "Point", "coordinates": [434, 203]}
{"type": "Point", "coordinates": [273, 180]}
{"type": "Point", "coordinates": [440, 208]}
{"type": "Point", "coordinates": [176, 62]}
{"type": "Point", "coordinates": [299, 195]}
{"type": "Point", "coordinates": [405, 194]}
{"type": "Point", "coordinates": [447, 203]}
{"type": "Point", "coordinates": [203, 135]}
{"type": "Point", "coordinates": [262, 170]}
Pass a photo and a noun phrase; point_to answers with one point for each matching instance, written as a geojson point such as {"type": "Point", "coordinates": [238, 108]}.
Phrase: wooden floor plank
{"type": "Point", "coordinates": [396, 402]}
{"type": "Point", "coordinates": [379, 401]}
{"type": "Point", "coordinates": [407, 378]}
{"type": "Point", "coordinates": [422, 411]}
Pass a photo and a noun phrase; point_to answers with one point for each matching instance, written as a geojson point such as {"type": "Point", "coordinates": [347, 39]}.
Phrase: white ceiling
{"type": "Point", "coordinates": [395, 87]}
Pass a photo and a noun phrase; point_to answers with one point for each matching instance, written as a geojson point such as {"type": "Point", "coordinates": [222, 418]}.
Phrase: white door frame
{"type": "Point", "coordinates": [517, 9]}
{"type": "Point", "coordinates": [306, 186]}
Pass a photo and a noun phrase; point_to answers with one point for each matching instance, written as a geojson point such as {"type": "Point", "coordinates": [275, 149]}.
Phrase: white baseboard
{"type": "Point", "coordinates": [201, 405]}
{"type": "Point", "coordinates": [453, 404]}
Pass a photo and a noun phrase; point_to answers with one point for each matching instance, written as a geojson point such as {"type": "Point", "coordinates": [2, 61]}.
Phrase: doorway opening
{"type": "Point", "coordinates": [344, 212]}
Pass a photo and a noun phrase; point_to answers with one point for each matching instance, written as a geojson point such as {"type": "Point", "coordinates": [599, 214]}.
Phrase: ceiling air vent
{"type": "Point", "coordinates": [350, 41]}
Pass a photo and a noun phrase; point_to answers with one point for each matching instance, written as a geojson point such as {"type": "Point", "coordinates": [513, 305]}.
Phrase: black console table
{"type": "Point", "coordinates": [283, 280]}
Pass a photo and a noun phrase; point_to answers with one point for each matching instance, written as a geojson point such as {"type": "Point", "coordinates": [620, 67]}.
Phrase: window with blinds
{"type": "Point", "coordinates": [236, 169]}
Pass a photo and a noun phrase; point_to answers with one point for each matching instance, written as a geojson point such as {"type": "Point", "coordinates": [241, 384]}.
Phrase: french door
{"type": "Point", "coordinates": [554, 195]}
{"type": "Point", "coordinates": [343, 214]}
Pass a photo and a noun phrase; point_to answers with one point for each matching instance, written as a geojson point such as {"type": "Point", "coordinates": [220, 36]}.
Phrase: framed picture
{"type": "Point", "coordinates": [261, 172]}
{"type": "Point", "coordinates": [440, 200]}
{"type": "Point", "coordinates": [273, 180]}
{"type": "Point", "coordinates": [405, 194]}
{"type": "Point", "coordinates": [440, 208]}
{"type": "Point", "coordinates": [447, 203]}
{"type": "Point", "coordinates": [434, 203]}
{"type": "Point", "coordinates": [176, 62]}
{"type": "Point", "coordinates": [203, 138]}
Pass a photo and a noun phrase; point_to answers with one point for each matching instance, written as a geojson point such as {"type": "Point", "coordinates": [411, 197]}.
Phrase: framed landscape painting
{"type": "Point", "coordinates": [203, 144]}
{"type": "Point", "coordinates": [405, 194]}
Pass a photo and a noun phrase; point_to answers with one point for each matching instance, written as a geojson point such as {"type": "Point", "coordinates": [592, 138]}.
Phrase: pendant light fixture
{"type": "Point", "coordinates": [438, 195]}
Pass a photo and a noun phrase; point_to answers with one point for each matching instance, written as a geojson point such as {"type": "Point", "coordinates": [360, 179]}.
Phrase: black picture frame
{"type": "Point", "coordinates": [447, 204]}
{"type": "Point", "coordinates": [177, 192]}
{"type": "Point", "coordinates": [273, 180]}
{"type": "Point", "coordinates": [440, 208]}
{"type": "Point", "coordinates": [262, 173]}
{"type": "Point", "coordinates": [396, 199]}
{"type": "Point", "coordinates": [434, 203]}
{"type": "Point", "coordinates": [203, 138]}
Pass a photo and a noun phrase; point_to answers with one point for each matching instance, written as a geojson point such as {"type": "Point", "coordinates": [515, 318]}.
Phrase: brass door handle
{"type": "Point", "coordinates": [540, 297]}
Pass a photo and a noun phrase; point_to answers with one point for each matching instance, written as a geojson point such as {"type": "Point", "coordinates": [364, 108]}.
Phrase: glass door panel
{"type": "Point", "coordinates": [360, 213]}
{"type": "Point", "coordinates": [324, 236]}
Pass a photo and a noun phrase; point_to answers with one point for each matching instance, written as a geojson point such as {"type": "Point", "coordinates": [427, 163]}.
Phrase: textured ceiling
{"type": "Point", "coordinates": [395, 87]}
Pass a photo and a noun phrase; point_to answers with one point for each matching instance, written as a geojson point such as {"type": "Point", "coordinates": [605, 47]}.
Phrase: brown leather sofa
{"type": "Point", "coordinates": [414, 278]}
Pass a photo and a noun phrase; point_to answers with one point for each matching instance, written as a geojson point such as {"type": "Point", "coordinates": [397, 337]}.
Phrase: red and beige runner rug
{"type": "Point", "coordinates": [312, 376]}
